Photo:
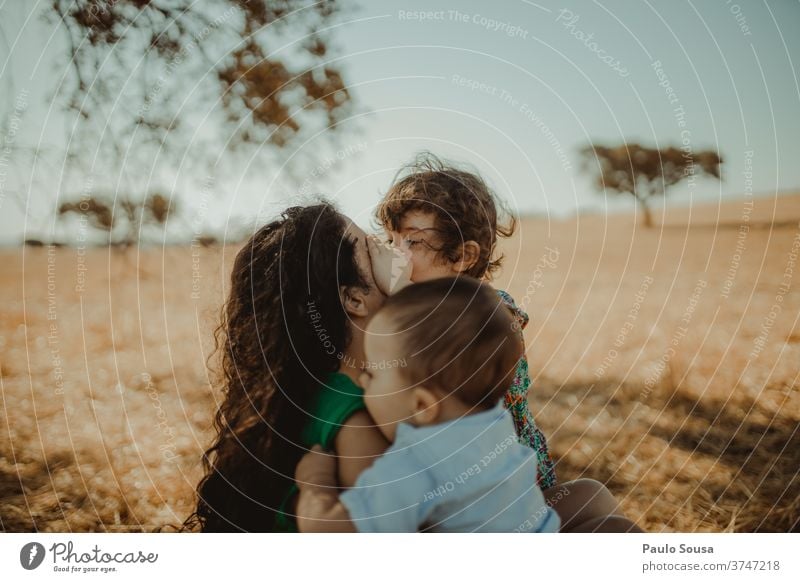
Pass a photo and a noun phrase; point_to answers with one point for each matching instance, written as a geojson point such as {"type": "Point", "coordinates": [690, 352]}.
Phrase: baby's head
{"type": "Point", "coordinates": [436, 351]}
{"type": "Point", "coordinates": [447, 217]}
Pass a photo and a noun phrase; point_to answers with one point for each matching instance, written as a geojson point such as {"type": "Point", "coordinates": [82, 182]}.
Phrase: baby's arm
{"type": "Point", "coordinates": [318, 507]}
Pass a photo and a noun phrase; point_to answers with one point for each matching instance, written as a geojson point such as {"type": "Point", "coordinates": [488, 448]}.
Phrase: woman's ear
{"type": "Point", "coordinates": [426, 406]}
{"type": "Point", "coordinates": [354, 301]}
{"type": "Point", "coordinates": [470, 252]}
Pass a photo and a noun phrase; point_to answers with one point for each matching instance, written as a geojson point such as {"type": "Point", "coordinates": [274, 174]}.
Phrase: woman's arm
{"type": "Point", "coordinates": [318, 507]}
{"type": "Point", "coordinates": [358, 443]}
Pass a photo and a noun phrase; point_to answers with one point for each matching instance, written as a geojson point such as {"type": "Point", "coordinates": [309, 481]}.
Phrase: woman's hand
{"type": "Point", "coordinates": [316, 470]}
{"type": "Point", "coordinates": [318, 508]}
{"type": "Point", "coordinates": [391, 266]}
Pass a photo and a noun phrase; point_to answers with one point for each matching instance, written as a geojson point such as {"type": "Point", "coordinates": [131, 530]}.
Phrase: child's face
{"type": "Point", "coordinates": [418, 233]}
{"type": "Point", "coordinates": [386, 391]}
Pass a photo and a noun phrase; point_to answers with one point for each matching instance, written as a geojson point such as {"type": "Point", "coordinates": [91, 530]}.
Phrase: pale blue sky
{"type": "Point", "coordinates": [546, 92]}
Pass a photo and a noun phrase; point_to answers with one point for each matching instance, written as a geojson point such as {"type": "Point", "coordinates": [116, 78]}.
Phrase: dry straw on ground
{"type": "Point", "coordinates": [655, 388]}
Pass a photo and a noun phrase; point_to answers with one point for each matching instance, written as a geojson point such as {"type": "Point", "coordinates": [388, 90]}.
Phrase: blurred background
{"type": "Point", "coordinates": [650, 150]}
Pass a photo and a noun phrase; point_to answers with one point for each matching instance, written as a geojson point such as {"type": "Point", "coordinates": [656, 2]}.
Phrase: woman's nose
{"type": "Point", "coordinates": [398, 241]}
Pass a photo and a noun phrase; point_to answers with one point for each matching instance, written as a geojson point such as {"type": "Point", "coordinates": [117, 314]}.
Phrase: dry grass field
{"type": "Point", "coordinates": [666, 364]}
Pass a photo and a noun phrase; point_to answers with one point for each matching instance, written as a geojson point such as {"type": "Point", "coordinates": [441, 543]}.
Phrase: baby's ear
{"type": "Point", "coordinates": [470, 253]}
{"type": "Point", "coordinates": [426, 406]}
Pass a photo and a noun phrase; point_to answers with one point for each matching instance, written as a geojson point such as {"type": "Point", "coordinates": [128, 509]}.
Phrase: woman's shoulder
{"type": "Point", "coordinates": [337, 391]}
{"type": "Point", "coordinates": [338, 399]}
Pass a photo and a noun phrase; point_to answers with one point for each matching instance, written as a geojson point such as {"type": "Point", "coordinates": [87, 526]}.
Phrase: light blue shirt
{"type": "Point", "coordinates": [464, 475]}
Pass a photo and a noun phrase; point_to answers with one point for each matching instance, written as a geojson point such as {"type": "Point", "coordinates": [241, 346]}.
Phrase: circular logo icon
{"type": "Point", "coordinates": [31, 555]}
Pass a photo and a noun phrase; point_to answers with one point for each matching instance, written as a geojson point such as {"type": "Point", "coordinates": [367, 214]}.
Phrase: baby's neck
{"type": "Point", "coordinates": [451, 408]}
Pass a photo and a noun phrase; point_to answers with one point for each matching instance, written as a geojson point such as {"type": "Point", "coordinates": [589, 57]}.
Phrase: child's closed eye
{"type": "Point", "coordinates": [411, 243]}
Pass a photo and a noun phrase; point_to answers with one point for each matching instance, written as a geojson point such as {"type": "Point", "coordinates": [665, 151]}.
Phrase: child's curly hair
{"type": "Point", "coordinates": [464, 206]}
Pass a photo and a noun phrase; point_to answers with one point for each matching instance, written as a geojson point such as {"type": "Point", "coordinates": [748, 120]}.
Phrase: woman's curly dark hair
{"type": "Point", "coordinates": [272, 363]}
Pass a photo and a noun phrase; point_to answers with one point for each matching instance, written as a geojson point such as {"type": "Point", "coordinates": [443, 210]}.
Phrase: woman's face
{"type": "Point", "coordinates": [375, 298]}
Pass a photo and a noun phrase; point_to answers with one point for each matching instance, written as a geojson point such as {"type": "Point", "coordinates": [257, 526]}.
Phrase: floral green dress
{"type": "Point", "coordinates": [516, 400]}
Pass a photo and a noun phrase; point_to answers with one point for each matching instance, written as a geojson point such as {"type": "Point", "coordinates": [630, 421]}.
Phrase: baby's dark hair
{"type": "Point", "coordinates": [463, 204]}
{"type": "Point", "coordinates": [459, 337]}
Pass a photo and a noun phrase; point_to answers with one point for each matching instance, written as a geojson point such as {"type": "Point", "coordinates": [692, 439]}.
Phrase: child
{"type": "Point", "coordinates": [445, 221]}
{"type": "Point", "coordinates": [455, 464]}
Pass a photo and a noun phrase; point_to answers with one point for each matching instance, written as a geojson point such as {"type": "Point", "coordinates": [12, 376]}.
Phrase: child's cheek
{"type": "Point", "coordinates": [418, 267]}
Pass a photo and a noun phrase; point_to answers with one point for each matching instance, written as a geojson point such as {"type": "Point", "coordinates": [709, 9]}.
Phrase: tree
{"type": "Point", "coordinates": [646, 172]}
{"type": "Point", "coordinates": [262, 96]}
{"type": "Point", "coordinates": [98, 211]}
{"type": "Point", "coordinates": [143, 75]}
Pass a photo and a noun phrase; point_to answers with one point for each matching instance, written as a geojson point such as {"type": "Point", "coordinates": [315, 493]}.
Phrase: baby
{"type": "Point", "coordinates": [455, 464]}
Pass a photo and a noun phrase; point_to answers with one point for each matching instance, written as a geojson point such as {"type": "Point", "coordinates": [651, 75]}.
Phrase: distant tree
{"type": "Point", "coordinates": [646, 172]}
{"type": "Point", "coordinates": [154, 210]}
{"type": "Point", "coordinates": [206, 240]}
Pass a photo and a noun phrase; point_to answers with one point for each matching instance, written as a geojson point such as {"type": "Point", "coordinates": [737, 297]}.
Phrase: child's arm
{"type": "Point", "coordinates": [391, 266]}
{"type": "Point", "coordinates": [318, 506]}
{"type": "Point", "coordinates": [516, 400]}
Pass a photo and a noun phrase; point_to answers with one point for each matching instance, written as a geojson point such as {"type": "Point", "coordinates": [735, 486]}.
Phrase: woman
{"type": "Point", "coordinates": [291, 343]}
